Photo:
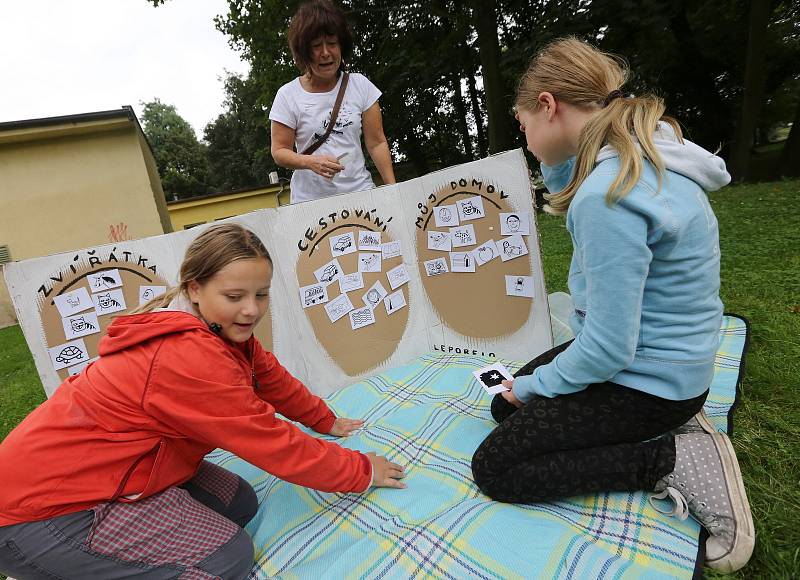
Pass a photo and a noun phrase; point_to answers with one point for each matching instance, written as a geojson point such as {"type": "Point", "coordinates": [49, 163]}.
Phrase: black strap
{"type": "Point", "coordinates": [334, 114]}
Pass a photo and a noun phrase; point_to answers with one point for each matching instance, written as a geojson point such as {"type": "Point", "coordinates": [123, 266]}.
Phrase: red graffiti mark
{"type": "Point", "coordinates": [118, 232]}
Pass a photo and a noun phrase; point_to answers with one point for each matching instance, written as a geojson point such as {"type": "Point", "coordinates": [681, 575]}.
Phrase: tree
{"type": "Point", "coordinates": [181, 159]}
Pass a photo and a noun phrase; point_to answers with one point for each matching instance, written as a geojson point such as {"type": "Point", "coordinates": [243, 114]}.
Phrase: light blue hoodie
{"type": "Point", "coordinates": [644, 278]}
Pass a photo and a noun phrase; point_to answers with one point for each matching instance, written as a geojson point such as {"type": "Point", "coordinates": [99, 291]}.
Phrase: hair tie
{"type": "Point", "coordinates": [611, 96]}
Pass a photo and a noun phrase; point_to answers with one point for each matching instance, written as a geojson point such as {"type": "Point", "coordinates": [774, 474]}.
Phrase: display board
{"type": "Point", "coordinates": [448, 262]}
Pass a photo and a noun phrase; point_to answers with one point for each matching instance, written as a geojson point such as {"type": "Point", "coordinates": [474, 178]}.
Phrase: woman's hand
{"type": "Point", "coordinates": [343, 427]}
{"type": "Point", "coordinates": [509, 394]}
{"type": "Point", "coordinates": [385, 473]}
{"type": "Point", "coordinates": [324, 165]}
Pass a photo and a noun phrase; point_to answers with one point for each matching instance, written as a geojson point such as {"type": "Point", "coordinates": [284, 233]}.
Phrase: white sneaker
{"type": "Point", "coordinates": [707, 484]}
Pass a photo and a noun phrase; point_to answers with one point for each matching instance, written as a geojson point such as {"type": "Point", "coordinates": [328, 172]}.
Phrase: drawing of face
{"type": "Point", "coordinates": [147, 294]}
{"type": "Point", "coordinates": [373, 296]}
{"type": "Point", "coordinates": [513, 222]}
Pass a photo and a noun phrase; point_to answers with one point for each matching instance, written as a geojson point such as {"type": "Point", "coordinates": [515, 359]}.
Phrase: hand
{"type": "Point", "coordinates": [509, 394]}
{"type": "Point", "coordinates": [343, 427]}
{"type": "Point", "coordinates": [323, 165]}
{"type": "Point", "coordinates": [385, 473]}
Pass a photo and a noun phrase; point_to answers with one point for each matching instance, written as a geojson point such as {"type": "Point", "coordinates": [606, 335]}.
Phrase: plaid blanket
{"type": "Point", "coordinates": [430, 416]}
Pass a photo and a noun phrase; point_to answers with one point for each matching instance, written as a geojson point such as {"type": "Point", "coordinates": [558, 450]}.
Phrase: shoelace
{"type": "Point", "coordinates": [680, 506]}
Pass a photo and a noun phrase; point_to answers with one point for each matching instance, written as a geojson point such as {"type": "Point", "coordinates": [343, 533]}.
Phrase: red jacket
{"type": "Point", "coordinates": [165, 392]}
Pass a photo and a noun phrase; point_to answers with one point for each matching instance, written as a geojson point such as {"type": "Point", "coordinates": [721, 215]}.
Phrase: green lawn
{"type": "Point", "coordinates": [760, 239]}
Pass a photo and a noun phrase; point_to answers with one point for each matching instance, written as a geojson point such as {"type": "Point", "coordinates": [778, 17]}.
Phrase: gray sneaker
{"type": "Point", "coordinates": [700, 423]}
{"type": "Point", "coordinates": [708, 485]}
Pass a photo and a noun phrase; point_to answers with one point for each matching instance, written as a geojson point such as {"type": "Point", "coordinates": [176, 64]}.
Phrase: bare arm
{"type": "Point", "coordinates": [375, 140]}
{"type": "Point", "coordinates": [284, 154]}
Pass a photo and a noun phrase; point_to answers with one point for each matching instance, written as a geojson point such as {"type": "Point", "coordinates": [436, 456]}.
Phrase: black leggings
{"type": "Point", "coordinates": [605, 438]}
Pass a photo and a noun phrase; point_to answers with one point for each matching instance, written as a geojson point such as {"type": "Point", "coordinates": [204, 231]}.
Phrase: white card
{"type": "Point", "coordinates": [350, 282]}
{"type": "Point", "coordinates": [486, 252]}
{"type": "Point", "coordinates": [104, 280]}
{"type": "Point", "coordinates": [439, 241]}
{"type": "Point", "coordinates": [511, 247]}
{"type": "Point", "coordinates": [391, 249]}
{"type": "Point", "coordinates": [68, 354]}
{"type": "Point", "coordinates": [78, 368]}
{"type": "Point", "coordinates": [374, 295]}
{"type": "Point", "coordinates": [147, 293]}
{"type": "Point", "coordinates": [370, 262]}
{"type": "Point", "coordinates": [463, 236]}
{"type": "Point", "coordinates": [361, 317]}
{"type": "Point", "coordinates": [446, 216]}
{"type": "Point", "coordinates": [436, 266]}
{"type": "Point", "coordinates": [394, 302]}
{"type": "Point", "coordinates": [108, 302]}
{"type": "Point", "coordinates": [73, 302]}
{"type": "Point", "coordinates": [398, 276]}
{"type": "Point", "coordinates": [342, 244]}
{"type": "Point", "coordinates": [329, 272]}
{"type": "Point", "coordinates": [81, 324]}
{"type": "Point", "coordinates": [491, 378]}
{"type": "Point", "coordinates": [462, 262]}
{"type": "Point", "coordinates": [515, 223]}
{"type": "Point", "coordinates": [313, 294]}
{"type": "Point", "coordinates": [338, 307]}
{"type": "Point", "coordinates": [368, 240]}
{"type": "Point", "coordinates": [519, 286]}
{"type": "Point", "coordinates": [470, 208]}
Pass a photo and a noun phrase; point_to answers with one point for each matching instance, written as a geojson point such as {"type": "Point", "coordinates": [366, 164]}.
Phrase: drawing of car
{"type": "Point", "coordinates": [329, 273]}
{"type": "Point", "coordinates": [69, 353]}
{"type": "Point", "coordinates": [342, 244]}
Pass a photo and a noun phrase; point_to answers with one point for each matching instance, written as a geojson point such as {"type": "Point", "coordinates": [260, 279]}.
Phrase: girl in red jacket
{"type": "Point", "coordinates": [107, 479]}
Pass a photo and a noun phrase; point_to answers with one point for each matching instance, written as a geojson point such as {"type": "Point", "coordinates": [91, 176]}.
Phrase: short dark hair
{"type": "Point", "coordinates": [312, 20]}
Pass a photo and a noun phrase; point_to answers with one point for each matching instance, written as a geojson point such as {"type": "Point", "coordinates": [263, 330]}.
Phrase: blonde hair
{"type": "Point", "coordinates": [210, 252]}
{"type": "Point", "coordinates": [577, 73]}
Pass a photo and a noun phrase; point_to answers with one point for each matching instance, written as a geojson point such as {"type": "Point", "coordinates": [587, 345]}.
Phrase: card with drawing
{"type": "Point", "coordinates": [491, 378]}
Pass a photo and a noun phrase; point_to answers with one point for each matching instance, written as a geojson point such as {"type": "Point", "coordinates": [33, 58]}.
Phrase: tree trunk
{"type": "Point", "coordinates": [753, 89]}
{"type": "Point", "coordinates": [476, 112]}
{"type": "Point", "coordinates": [484, 19]}
{"type": "Point", "coordinates": [461, 112]}
{"type": "Point", "coordinates": [790, 156]}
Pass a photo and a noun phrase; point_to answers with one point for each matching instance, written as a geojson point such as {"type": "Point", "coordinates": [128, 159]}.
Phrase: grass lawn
{"type": "Point", "coordinates": [760, 240]}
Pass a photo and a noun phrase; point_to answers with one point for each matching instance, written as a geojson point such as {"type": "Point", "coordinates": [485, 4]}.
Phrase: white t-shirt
{"type": "Point", "coordinates": [309, 114]}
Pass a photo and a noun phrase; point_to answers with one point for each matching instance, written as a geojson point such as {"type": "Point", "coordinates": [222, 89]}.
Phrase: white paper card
{"type": "Point", "coordinates": [391, 249]}
{"type": "Point", "coordinates": [78, 368]}
{"type": "Point", "coordinates": [512, 247]}
{"type": "Point", "coordinates": [368, 240]}
{"type": "Point", "coordinates": [446, 216]}
{"type": "Point", "coordinates": [398, 276]}
{"type": "Point", "coordinates": [374, 295]}
{"type": "Point", "coordinates": [515, 223]}
{"type": "Point", "coordinates": [313, 294]}
{"type": "Point", "coordinates": [342, 244]}
{"type": "Point", "coordinates": [436, 266]}
{"type": "Point", "coordinates": [147, 293]}
{"type": "Point", "coordinates": [108, 302]}
{"type": "Point", "coordinates": [69, 353]}
{"type": "Point", "coordinates": [338, 307]}
{"type": "Point", "coordinates": [463, 236]}
{"type": "Point", "coordinates": [361, 317]}
{"type": "Point", "coordinates": [491, 378]}
{"type": "Point", "coordinates": [486, 252]}
{"type": "Point", "coordinates": [329, 272]}
{"type": "Point", "coordinates": [104, 280]}
{"type": "Point", "coordinates": [519, 286]}
{"type": "Point", "coordinates": [370, 262]}
{"type": "Point", "coordinates": [470, 208]}
{"type": "Point", "coordinates": [394, 302]}
{"type": "Point", "coordinates": [439, 241]}
{"type": "Point", "coordinates": [462, 262]}
{"type": "Point", "coordinates": [349, 282]}
{"type": "Point", "coordinates": [73, 302]}
{"type": "Point", "coordinates": [81, 324]}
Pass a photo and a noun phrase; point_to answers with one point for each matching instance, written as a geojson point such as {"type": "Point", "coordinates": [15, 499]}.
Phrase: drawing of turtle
{"type": "Point", "coordinates": [68, 354]}
{"type": "Point", "coordinates": [342, 244]}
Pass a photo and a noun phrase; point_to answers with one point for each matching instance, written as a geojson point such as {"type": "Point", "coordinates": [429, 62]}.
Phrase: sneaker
{"type": "Point", "coordinates": [707, 484]}
{"type": "Point", "coordinates": [700, 423]}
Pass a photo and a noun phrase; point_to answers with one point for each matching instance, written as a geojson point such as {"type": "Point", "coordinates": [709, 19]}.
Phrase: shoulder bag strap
{"type": "Point", "coordinates": [334, 114]}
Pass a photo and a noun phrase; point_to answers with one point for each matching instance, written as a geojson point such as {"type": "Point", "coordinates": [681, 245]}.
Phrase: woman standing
{"type": "Point", "coordinates": [310, 134]}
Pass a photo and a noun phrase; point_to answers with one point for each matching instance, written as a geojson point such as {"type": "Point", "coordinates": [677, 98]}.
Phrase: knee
{"type": "Point", "coordinates": [246, 504]}
{"type": "Point", "coordinates": [482, 471]}
{"type": "Point", "coordinates": [236, 557]}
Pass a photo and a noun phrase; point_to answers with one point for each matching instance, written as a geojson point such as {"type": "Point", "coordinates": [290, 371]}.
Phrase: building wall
{"type": "Point", "coordinates": [76, 188]}
{"type": "Point", "coordinates": [193, 212]}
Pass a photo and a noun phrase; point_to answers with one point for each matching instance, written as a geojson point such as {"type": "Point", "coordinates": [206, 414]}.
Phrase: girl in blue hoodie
{"type": "Point", "coordinates": [620, 407]}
